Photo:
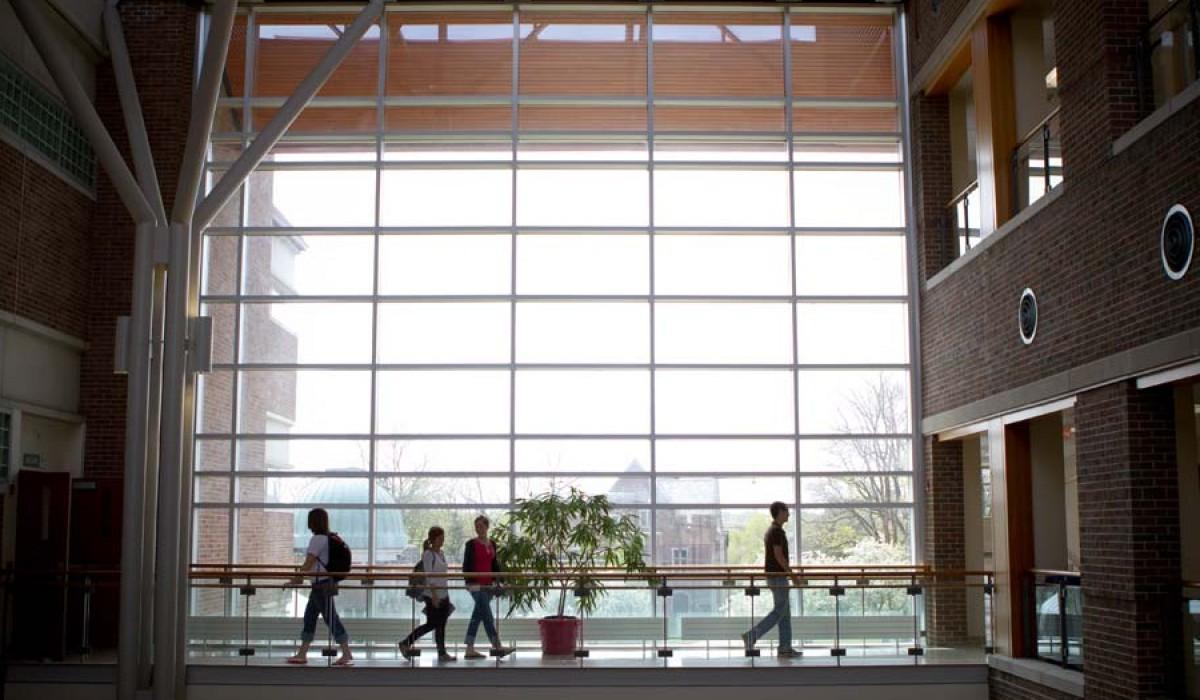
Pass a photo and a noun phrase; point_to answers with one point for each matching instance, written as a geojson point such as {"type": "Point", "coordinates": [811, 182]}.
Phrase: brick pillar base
{"type": "Point", "coordinates": [945, 542]}
{"type": "Point", "coordinates": [1129, 542]}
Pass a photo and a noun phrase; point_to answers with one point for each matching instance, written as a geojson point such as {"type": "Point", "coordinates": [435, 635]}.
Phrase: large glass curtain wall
{"type": "Point", "coordinates": [651, 252]}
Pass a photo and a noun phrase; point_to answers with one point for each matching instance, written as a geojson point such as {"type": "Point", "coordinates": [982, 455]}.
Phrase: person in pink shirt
{"type": "Point", "coordinates": [480, 558]}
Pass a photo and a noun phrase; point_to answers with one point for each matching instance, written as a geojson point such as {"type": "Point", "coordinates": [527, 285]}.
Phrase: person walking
{"type": "Point", "coordinates": [479, 557]}
{"type": "Point", "coordinates": [320, 598]}
{"type": "Point", "coordinates": [436, 597]}
{"type": "Point", "coordinates": [778, 570]}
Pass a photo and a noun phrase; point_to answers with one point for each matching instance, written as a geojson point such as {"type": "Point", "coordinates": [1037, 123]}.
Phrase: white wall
{"type": "Point", "coordinates": [1049, 493]}
{"type": "Point", "coordinates": [973, 531]}
{"type": "Point", "coordinates": [39, 387]}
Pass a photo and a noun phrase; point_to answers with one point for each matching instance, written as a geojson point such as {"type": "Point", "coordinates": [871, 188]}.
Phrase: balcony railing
{"type": "Point", "coordinates": [1170, 51]}
{"type": "Point", "coordinates": [1056, 617]}
{"type": "Point", "coordinates": [1037, 162]}
{"type": "Point", "coordinates": [964, 213]}
{"type": "Point", "coordinates": [860, 612]}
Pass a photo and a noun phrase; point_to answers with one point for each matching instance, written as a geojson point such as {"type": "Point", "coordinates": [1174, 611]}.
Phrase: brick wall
{"type": "Point", "coordinates": [1094, 299]}
{"type": "Point", "coordinates": [932, 182]}
{"type": "Point", "coordinates": [945, 541]}
{"type": "Point", "coordinates": [161, 35]}
{"type": "Point", "coordinates": [1092, 257]}
{"type": "Point", "coordinates": [1130, 542]}
{"type": "Point", "coordinates": [926, 27]}
{"type": "Point", "coordinates": [1005, 686]}
{"type": "Point", "coordinates": [44, 225]}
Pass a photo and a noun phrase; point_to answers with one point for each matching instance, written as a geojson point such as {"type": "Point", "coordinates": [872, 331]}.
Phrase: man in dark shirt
{"type": "Point", "coordinates": [778, 570]}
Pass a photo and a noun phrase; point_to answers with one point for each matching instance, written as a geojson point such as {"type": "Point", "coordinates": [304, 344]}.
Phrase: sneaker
{"type": "Point", "coordinates": [788, 653]}
{"type": "Point", "coordinates": [406, 650]}
{"type": "Point", "coordinates": [502, 652]}
{"type": "Point", "coordinates": [472, 654]}
{"type": "Point", "coordinates": [444, 657]}
{"type": "Point", "coordinates": [746, 641]}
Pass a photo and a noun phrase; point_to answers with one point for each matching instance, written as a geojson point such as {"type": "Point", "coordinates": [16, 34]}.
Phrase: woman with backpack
{"type": "Point", "coordinates": [324, 588]}
{"type": "Point", "coordinates": [435, 594]}
{"type": "Point", "coordinates": [480, 558]}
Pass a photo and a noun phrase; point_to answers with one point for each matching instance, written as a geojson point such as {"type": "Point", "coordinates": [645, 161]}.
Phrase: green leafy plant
{"type": "Point", "coordinates": [559, 540]}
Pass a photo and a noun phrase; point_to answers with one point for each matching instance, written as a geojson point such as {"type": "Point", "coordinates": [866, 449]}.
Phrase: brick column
{"type": "Point", "coordinates": [1129, 541]}
{"type": "Point", "coordinates": [932, 183]}
{"type": "Point", "coordinates": [945, 541]}
{"type": "Point", "coordinates": [1096, 49]}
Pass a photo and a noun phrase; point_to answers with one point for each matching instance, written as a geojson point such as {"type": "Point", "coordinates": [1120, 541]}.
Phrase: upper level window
{"type": "Point", "coordinates": [1171, 47]}
{"type": "Point", "coordinates": [1037, 159]}
{"type": "Point", "coordinates": [1004, 126]}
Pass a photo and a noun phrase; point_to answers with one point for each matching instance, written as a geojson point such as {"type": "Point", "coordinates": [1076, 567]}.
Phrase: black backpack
{"type": "Point", "coordinates": [416, 584]}
{"type": "Point", "coordinates": [339, 557]}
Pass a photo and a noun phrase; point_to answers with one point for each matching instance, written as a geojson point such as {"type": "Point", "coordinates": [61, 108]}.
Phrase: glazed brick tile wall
{"type": "Point", "coordinates": [945, 540]}
{"type": "Point", "coordinates": [1005, 686]}
{"type": "Point", "coordinates": [44, 239]}
{"type": "Point", "coordinates": [1129, 527]}
{"type": "Point", "coordinates": [161, 35]}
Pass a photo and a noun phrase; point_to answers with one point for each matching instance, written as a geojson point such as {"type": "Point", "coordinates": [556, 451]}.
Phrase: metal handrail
{"type": "Point", "coordinates": [1038, 128]}
{"type": "Point", "coordinates": [966, 192]}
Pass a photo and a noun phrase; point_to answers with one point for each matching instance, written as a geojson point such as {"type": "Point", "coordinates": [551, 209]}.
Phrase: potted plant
{"type": "Point", "coordinates": [558, 541]}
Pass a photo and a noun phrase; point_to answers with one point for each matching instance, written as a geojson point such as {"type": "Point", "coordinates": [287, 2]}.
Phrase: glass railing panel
{"type": "Point", "coordinates": [1037, 162]}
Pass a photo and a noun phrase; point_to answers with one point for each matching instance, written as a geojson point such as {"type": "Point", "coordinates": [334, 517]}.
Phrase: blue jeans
{"type": "Point", "coordinates": [482, 613]}
{"type": "Point", "coordinates": [781, 614]}
{"type": "Point", "coordinates": [320, 602]}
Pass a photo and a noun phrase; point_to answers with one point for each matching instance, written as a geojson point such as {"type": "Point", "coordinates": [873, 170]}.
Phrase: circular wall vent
{"type": "Point", "coordinates": [1027, 316]}
{"type": "Point", "coordinates": [1177, 242]}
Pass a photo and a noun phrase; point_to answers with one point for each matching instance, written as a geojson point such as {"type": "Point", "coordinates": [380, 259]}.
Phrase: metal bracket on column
{"type": "Point", "coordinates": [837, 591]}
{"type": "Point", "coordinates": [914, 590]}
{"type": "Point", "coordinates": [121, 346]}
{"type": "Point", "coordinates": [837, 651]}
{"type": "Point", "coordinates": [579, 653]}
{"type": "Point", "coordinates": [752, 591]}
{"type": "Point", "coordinates": [200, 331]}
{"type": "Point", "coordinates": [162, 245]}
{"type": "Point", "coordinates": [916, 651]}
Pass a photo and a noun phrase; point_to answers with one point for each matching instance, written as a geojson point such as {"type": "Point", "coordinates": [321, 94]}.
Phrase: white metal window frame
{"type": "Point", "coordinates": [515, 138]}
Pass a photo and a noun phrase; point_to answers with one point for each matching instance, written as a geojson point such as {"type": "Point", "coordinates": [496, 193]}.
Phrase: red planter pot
{"type": "Point", "coordinates": [559, 635]}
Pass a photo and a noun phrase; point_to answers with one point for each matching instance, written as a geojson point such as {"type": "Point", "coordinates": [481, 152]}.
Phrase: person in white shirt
{"type": "Point", "coordinates": [320, 598]}
{"type": "Point", "coordinates": [437, 596]}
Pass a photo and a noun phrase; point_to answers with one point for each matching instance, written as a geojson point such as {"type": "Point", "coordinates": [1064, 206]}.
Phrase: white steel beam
{"type": "Point", "coordinates": [134, 562]}
{"type": "Point", "coordinates": [171, 469]}
{"type": "Point", "coordinates": [270, 135]}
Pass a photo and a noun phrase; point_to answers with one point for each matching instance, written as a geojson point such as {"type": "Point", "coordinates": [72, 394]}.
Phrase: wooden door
{"type": "Point", "coordinates": [43, 530]}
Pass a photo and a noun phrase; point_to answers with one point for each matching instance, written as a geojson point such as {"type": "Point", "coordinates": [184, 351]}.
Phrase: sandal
{"type": "Point", "coordinates": [297, 660]}
{"type": "Point", "coordinates": [344, 661]}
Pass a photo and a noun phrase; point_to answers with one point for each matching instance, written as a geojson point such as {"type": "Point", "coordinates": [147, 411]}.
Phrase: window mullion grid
{"type": "Point", "coordinates": [234, 519]}
{"type": "Point", "coordinates": [380, 125]}
{"type": "Point", "coordinates": [650, 243]}
{"type": "Point", "coordinates": [512, 306]}
{"type": "Point", "coordinates": [786, 43]}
